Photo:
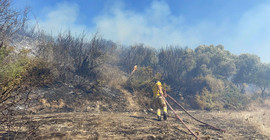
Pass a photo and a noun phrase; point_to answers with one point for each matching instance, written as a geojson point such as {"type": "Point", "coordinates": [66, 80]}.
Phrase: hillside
{"type": "Point", "coordinates": [74, 87]}
{"type": "Point", "coordinates": [110, 104]}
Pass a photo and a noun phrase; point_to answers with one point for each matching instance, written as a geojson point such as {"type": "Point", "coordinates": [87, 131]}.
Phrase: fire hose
{"type": "Point", "coordinates": [180, 119]}
{"type": "Point", "coordinates": [189, 115]}
{"type": "Point", "coordinates": [193, 116]}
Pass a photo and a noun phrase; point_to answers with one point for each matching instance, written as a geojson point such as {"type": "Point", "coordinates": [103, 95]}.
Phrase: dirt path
{"type": "Point", "coordinates": [139, 125]}
{"type": "Point", "coordinates": [132, 105]}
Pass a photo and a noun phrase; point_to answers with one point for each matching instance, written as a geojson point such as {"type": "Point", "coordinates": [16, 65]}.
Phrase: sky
{"type": "Point", "coordinates": [241, 26]}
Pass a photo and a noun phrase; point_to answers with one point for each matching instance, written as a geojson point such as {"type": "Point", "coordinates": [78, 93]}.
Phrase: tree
{"type": "Point", "coordinates": [215, 60]}
{"type": "Point", "coordinates": [247, 66]}
{"type": "Point", "coordinates": [261, 78]}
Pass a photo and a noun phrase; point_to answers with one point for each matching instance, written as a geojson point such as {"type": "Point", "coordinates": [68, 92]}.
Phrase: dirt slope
{"type": "Point", "coordinates": [132, 105]}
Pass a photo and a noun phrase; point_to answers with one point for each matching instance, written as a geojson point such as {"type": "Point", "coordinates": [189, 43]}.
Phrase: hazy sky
{"type": "Point", "coordinates": [241, 26]}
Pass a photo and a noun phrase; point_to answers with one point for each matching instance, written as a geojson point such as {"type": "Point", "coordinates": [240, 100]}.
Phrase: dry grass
{"type": "Point", "coordinates": [257, 117]}
{"type": "Point", "coordinates": [112, 76]}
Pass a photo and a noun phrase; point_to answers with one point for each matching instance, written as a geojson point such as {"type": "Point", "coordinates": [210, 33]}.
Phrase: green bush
{"type": "Point", "coordinates": [11, 70]}
{"type": "Point", "coordinates": [142, 79]}
{"type": "Point", "coordinates": [207, 100]}
{"type": "Point", "coordinates": [214, 93]}
{"type": "Point", "coordinates": [19, 69]}
{"type": "Point", "coordinates": [233, 99]}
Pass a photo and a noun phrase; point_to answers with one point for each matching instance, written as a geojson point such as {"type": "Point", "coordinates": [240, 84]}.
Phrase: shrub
{"type": "Point", "coordinates": [142, 79]}
{"type": "Point", "coordinates": [206, 100]}
{"type": "Point", "coordinates": [233, 99]}
{"type": "Point", "coordinates": [18, 75]}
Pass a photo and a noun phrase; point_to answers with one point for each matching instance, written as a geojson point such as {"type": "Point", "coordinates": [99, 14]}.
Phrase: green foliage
{"type": "Point", "coordinates": [11, 72]}
{"type": "Point", "coordinates": [233, 99]}
{"type": "Point", "coordinates": [214, 60]}
{"type": "Point", "coordinates": [143, 79]}
{"type": "Point", "coordinates": [207, 100]}
{"type": "Point", "coordinates": [247, 67]}
{"type": "Point", "coordinates": [261, 78]}
{"type": "Point", "coordinates": [4, 51]}
{"type": "Point", "coordinates": [213, 98]}
{"type": "Point", "coordinates": [208, 82]}
{"type": "Point", "coordinates": [205, 92]}
{"type": "Point", "coordinates": [12, 68]}
{"type": "Point", "coordinates": [201, 75]}
{"type": "Point", "coordinates": [19, 69]}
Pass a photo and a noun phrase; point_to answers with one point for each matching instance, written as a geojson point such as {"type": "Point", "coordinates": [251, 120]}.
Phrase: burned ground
{"type": "Point", "coordinates": [121, 117]}
{"type": "Point", "coordinates": [66, 112]}
{"type": "Point", "coordinates": [141, 125]}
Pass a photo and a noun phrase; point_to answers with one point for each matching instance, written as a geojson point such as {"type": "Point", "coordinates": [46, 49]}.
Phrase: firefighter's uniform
{"type": "Point", "coordinates": [159, 101]}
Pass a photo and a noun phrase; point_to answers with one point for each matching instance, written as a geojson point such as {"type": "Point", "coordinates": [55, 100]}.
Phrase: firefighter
{"type": "Point", "coordinates": [158, 100]}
